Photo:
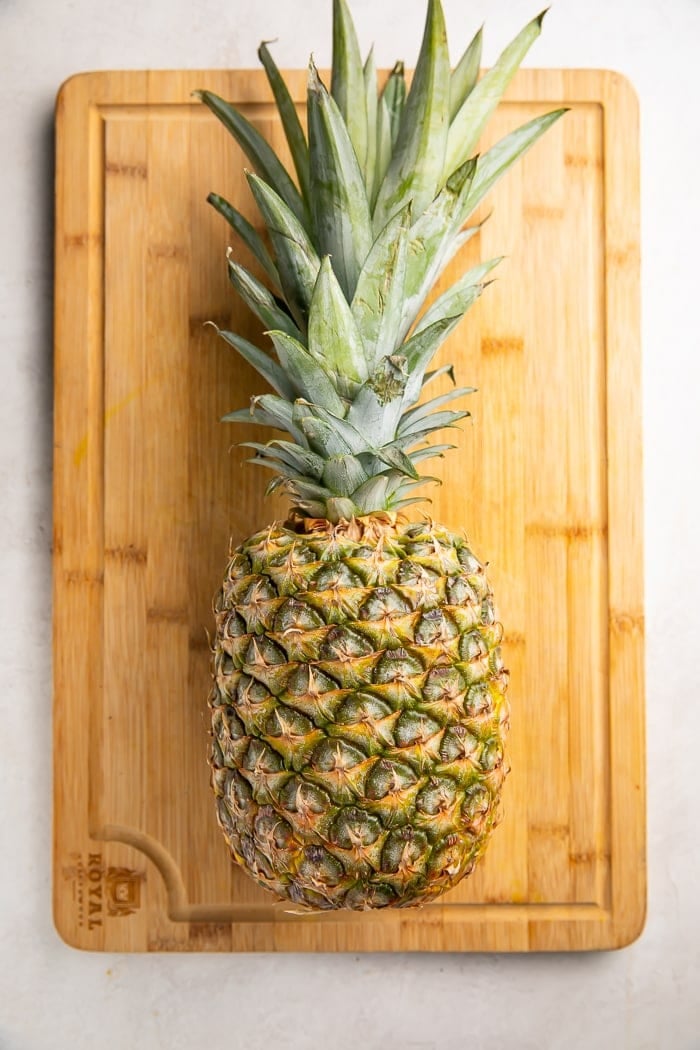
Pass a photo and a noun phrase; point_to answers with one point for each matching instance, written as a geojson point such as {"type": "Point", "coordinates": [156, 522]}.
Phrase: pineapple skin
{"type": "Point", "coordinates": [358, 711]}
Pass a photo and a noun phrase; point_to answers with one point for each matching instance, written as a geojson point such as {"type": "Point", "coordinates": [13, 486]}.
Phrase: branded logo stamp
{"type": "Point", "coordinates": [101, 891]}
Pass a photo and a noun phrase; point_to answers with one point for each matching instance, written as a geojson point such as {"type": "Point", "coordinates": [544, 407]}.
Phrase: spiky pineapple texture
{"type": "Point", "coordinates": [359, 712]}
{"type": "Point", "coordinates": [358, 707]}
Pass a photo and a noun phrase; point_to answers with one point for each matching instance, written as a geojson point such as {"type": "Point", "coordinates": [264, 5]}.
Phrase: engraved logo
{"type": "Point", "coordinates": [100, 891]}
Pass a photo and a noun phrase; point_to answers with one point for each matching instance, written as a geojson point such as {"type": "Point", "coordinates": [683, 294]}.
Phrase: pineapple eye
{"type": "Point", "coordinates": [353, 828]}
{"type": "Point", "coordinates": [435, 627]}
{"type": "Point", "coordinates": [413, 727]}
{"type": "Point", "coordinates": [460, 591]}
{"type": "Point", "coordinates": [405, 850]}
{"type": "Point", "coordinates": [439, 795]}
{"type": "Point", "coordinates": [478, 700]}
{"type": "Point", "coordinates": [331, 755]}
{"type": "Point", "coordinates": [361, 708]}
{"type": "Point", "coordinates": [443, 683]}
{"type": "Point", "coordinates": [396, 665]}
{"type": "Point", "coordinates": [342, 643]}
{"type": "Point", "coordinates": [296, 615]}
{"type": "Point", "coordinates": [388, 778]}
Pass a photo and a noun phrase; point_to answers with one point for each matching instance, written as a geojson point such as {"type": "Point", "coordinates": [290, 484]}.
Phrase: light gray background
{"type": "Point", "coordinates": [645, 997]}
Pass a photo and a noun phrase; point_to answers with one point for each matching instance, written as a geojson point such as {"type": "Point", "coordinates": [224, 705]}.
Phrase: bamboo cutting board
{"type": "Point", "coordinates": [148, 492]}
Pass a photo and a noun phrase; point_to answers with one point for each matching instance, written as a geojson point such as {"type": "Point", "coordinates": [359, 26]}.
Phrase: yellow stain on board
{"type": "Point", "coordinates": [82, 447]}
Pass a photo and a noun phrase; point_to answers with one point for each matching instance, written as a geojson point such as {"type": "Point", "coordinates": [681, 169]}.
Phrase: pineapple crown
{"type": "Point", "coordinates": [385, 184]}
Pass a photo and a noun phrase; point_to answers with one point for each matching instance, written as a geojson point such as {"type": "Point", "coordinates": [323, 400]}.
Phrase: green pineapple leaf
{"type": "Point", "coordinates": [415, 429]}
{"type": "Point", "coordinates": [261, 362]}
{"type": "Point", "coordinates": [378, 300]}
{"type": "Point", "coordinates": [430, 452]}
{"type": "Point", "coordinates": [259, 299]}
{"type": "Point", "coordinates": [259, 152]}
{"type": "Point", "coordinates": [310, 380]}
{"type": "Point", "coordinates": [296, 459]}
{"type": "Point", "coordinates": [473, 115]}
{"type": "Point", "coordinates": [459, 297]}
{"type": "Point", "coordinates": [394, 457]}
{"type": "Point", "coordinates": [343, 474]}
{"type": "Point", "coordinates": [338, 197]}
{"type": "Point", "coordinates": [248, 234]}
{"type": "Point", "coordinates": [369, 168]}
{"type": "Point", "coordinates": [383, 151]}
{"type": "Point", "coordinates": [269, 411]}
{"type": "Point", "coordinates": [352, 440]}
{"type": "Point", "coordinates": [419, 351]}
{"type": "Point", "coordinates": [348, 81]}
{"type": "Point", "coordinates": [394, 97]}
{"type": "Point", "coordinates": [428, 408]}
{"type": "Point", "coordinates": [334, 338]}
{"type": "Point", "coordinates": [431, 237]}
{"type": "Point", "coordinates": [415, 170]}
{"type": "Point", "coordinates": [323, 436]}
{"type": "Point", "coordinates": [465, 74]}
{"type": "Point", "coordinates": [293, 130]}
{"type": "Point", "coordinates": [493, 164]}
{"type": "Point", "coordinates": [297, 261]}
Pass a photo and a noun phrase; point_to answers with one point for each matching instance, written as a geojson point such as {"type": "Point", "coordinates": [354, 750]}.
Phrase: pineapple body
{"type": "Point", "coordinates": [358, 711]}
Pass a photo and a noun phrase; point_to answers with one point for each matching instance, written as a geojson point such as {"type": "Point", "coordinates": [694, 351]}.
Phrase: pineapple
{"type": "Point", "coordinates": [358, 706]}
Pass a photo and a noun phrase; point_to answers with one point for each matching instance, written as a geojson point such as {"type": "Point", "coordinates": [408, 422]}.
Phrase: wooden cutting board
{"type": "Point", "coordinates": [149, 491]}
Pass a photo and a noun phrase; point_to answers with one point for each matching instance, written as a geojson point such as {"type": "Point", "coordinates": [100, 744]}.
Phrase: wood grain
{"type": "Point", "coordinates": [149, 491]}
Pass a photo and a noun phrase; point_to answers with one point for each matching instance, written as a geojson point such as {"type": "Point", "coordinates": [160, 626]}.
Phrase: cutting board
{"type": "Point", "coordinates": [150, 490]}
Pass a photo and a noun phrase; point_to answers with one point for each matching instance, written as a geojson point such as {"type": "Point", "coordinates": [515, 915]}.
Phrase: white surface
{"type": "Point", "coordinates": [646, 997]}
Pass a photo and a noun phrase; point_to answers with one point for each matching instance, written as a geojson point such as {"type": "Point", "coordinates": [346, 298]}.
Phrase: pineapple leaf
{"type": "Point", "coordinates": [430, 452]}
{"type": "Point", "coordinates": [457, 299]}
{"type": "Point", "coordinates": [394, 97]}
{"type": "Point", "coordinates": [375, 416]}
{"type": "Point", "coordinates": [306, 489]}
{"type": "Point", "coordinates": [310, 379]}
{"type": "Point", "coordinates": [297, 261]}
{"type": "Point", "coordinates": [444, 370]}
{"type": "Point", "coordinates": [469, 122]}
{"type": "Point", "coordinates": [323, 436]}
{"type": "Point", "coordinates": [456, 245]}
{"type": "Point", "coordinates": [427, 408]}
{"type": "Point", "coordinates": [290, 119]}
{"type": "Point", "coordinates": [499, 158]}
{"type": "Point", "coordinates": [407, 502]}
{"type": "Point", "coordinates": [347, 79]}
{"type": "Point", "coordinates": [351, 438]}
{"type": "Point", "coordinates": [383, 152]}
{"type": "Point", "coordinates": [369, 73]}
{"type": "Point", "coordinates": [416, 166]}
{"type": "Point", "coordinates": [394, 457]}
{"type": "Point", "coordinates": [431, 237]}
{"type": "Point", "coordinates": [378, 299]}
{"type": "Point", "coordinates": [437, 421]}
{"type": "Point", "coordinates": [279, 467]}
{"type": "Point", "coordinates": [344, 474]}
{"type": "Point", "coordinates": [337, 508]}
{"type": "Point", "coordinates": [334, 338]}
{"type": "Point", "coordinates": [419, 352]}
{"type": "Point", "coordinates": [261, 362]}
{"type": "Point", "coordinates": [465, 74]}
{"type": "Point", "coordinates": [259, 152]}
{"type": "Point", "coordinates": [269, 411]}
{"type": "Point", "coordinates": [297, 459]}
{"type": "Point", "coordinates": [372, 494]}
{"type": "Point", "coordinates": [259, 299]}
{"type": "Point", "coordinates": [248, 234]}
{"type": "Point", "coordinates": [338, 196]}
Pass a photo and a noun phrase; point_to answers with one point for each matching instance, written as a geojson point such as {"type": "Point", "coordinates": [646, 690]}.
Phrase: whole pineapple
{"type": "Point", "coordinates": [358, 707]}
